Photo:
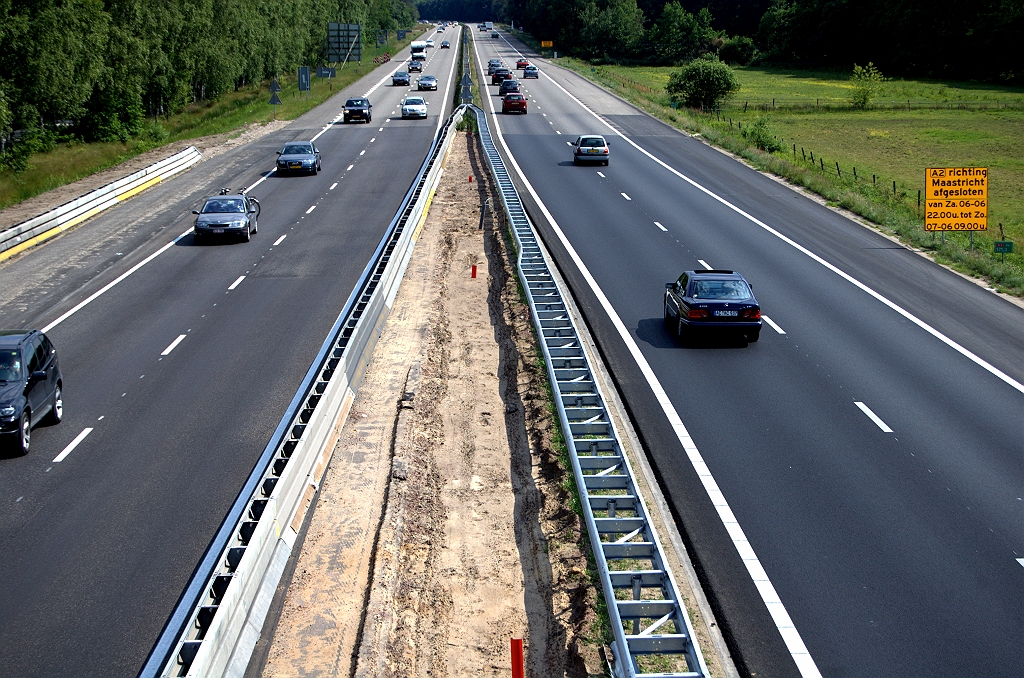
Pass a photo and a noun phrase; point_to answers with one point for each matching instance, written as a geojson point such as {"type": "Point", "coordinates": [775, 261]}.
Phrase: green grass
{"type": "Point", "coordinates": [230, 112]}
{"type": "Point", "coordinates": [891, 143]}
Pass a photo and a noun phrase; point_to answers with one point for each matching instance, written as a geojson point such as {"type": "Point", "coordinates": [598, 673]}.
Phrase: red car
{"type": "Point", "coordinates": [513, 103]}
{"type": "Point", "coordinates": [522, 63]}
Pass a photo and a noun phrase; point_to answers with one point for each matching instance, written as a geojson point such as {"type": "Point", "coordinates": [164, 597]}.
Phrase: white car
{"type": "Point", "coordinates": [430, 42]}
{"type": "Point", "coordinates": [414, 107]}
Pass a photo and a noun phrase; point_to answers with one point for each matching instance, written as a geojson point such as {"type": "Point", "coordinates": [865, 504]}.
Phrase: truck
{"type": "Point", "coordinates": [489, 25]}
{"type": "Point", "coordinates": [419, 50]}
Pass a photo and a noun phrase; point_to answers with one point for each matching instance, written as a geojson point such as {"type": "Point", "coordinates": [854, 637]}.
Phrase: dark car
{"type": "Point", "coordinates": [590, 148]}
{"type": "Point", "coordinates": [445, 44]}
{"type": "Point", "coordinates": [426, 82]}
{"type": "Point", "coordinates": [492, 64]}
{"type": "Point", "coordinates": [508, 86]}
{"type": "Point", "coordinates": [712, 302]}
{"type": "Point", "coordinates": [357, 109]}
{"type": "Point", "coordinates": [513, 103]}
{"type": "Point", "coordinates": [299, 156]}
{"type": "Point", "coordinates": [231, 215]}
{"type": "Point", "coordinates": [495, 34]}
{"type": "Point", "coordinates": [531, 72]}
{"type": "Point", "coordinates": [415, 66]}
{"type": "Point", "coordinates": [400, 78]}
{"type": "Point", "coordinates": [499, 75]}
{"type": "Point", "coordinates": [30, 386]}
{"type": "Point", "coordinates": [522, 63]}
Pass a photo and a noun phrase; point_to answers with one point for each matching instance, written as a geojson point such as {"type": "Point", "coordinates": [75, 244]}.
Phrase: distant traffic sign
{"type": "Point", "coordinates": [1003, 247]}
{"type": "Point", "coordinates": [303, 78]}
{"type": "Point", "coordinates": [275, 100]}
{"type": "Point", "coordinates": [956, 199]}
{"type": "Point", "coordinates": [547, 43]}
{"type": "Point", "coordinates": [274, 87]}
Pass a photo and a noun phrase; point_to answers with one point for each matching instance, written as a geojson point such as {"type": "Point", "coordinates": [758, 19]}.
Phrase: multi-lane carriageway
{"type": "Point", "coordinates": [179, 372]}
{"type": "Point", "coordinates": [851, 485]}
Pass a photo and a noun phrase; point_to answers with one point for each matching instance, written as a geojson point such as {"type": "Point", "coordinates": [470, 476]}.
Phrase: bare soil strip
{"type": "Point", "coordinates": [450, 433]}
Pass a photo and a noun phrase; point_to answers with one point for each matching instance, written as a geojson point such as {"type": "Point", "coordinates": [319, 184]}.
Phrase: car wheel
{"type": "Point", "coordinates": [246, 235]}
{"type": "Point", "coordinates": [197, 238]}
{"type": "Point", "coordinates": [575, 160]}
{"type": "Point", "coordinates": [56, 408]}
{"type": "Point", "coordinates": [668, 316]}
{"type": "Point", "coordinates": [682, 332]}
{"type": "Point", "coordinates": [255, 227]}
{"type": "Point", "coordinates": [24, 433]}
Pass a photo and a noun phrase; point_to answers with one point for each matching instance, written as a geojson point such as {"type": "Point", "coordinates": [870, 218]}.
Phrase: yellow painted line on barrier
{"type": "Point", "coordinates": [138, 189]}
{"type": "Point", "coordinates": [426, 211]}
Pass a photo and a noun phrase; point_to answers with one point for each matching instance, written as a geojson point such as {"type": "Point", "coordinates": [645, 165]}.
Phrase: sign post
{"type": "Point", "coordinates": [956, 199]}
{"type": "Point", "coordinates": [344, 42]}
{"type": "Point", "coordinates": [304, 80]}
{"type": "Point", "coordinates": [275, 100]}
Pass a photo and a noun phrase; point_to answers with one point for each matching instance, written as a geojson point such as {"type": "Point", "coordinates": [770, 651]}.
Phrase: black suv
{"type": "Point", "coordinates": [357, 109]}
{"type": "Point", "coordinates": [712, 301]}
{"type": "Point", "coordinates": [30, 386]}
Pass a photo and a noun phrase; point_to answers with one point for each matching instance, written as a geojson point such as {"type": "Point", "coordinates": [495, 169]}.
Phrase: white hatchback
{"type": "Point", "coordinates": [414, 107]}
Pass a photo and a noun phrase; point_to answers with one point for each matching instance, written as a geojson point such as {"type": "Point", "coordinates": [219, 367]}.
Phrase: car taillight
{"type": "Point", "coordinates": [752, 313]}
{"type": "Point", "coordinates": [697, 313]}
{"type": "Point", "coordinates": [606, 151]}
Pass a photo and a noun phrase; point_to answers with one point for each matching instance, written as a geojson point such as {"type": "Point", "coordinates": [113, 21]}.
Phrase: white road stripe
{"type": "Point", "coordinates": [279, 240]}
{"type": "Point", "coordinates": [259, 181]}
{"type": "Point", "coordinates": [1021, 561]}
{"type": "Point", "coordinates": [984, 364]}
{"type": "Point", "coordinates": [658, 224]}
{"type": "Point", "coordinates": [600, 174]}
{"type": "Point", "coordinates": [362, 151]}
{"type": "Point", "coordinates": [772, 324]}
{"type": "Point", "coordinates": [174, 343]}
{"type": "Point", "coordinates": [626, 196]}
{"type": "Point", "coordinates": [794, 643]}
{"type": "Point", "coordinates": [705, 264]}
{"type": "Point", "coordinates": [557, 132]}
{"type": "Point", "coordinates": [72, 445]}
{"type": "Point", "coordinates": [381, 129]}
{"type": "Point", "coordinates": [373, 139]}
{"type": "Point", "coordinates": [235, 284]}
{"type": "Point", "coordinates": [333, 185]}
{"type": "Point", "coordinates": [873, 417]}
{"type": "Point", "coordinates": [311, 209]}
{"type": "Point", "coordinates": [349, 168]}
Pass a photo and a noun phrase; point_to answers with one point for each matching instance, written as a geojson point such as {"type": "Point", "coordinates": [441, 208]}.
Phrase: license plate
{"type": "Point", "coordinates": [216, 230]}
{"type": "Point", "coordinates": [727, 314]}
{"type": "Point", "coordinates": [592, 150]}
{"type": "Point", "coordinates": [295, 165]}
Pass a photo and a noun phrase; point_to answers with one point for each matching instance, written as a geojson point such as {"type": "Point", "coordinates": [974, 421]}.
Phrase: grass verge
{"type": "Point", "coordinates": [947, 124]}
{"type": "Point", "coordinates": [72, 160]}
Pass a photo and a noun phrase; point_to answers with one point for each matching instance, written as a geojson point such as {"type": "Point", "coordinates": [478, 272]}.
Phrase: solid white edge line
{"type": "Point", "coordinates": [259, 181]}
{"type": "Point", "coordinates": [873, 417]}
{"type": "Point", "coordinates": [772, 324]}
{"type": "Point", "coordinates": [790, 636]}
{"type": "Point", "coordinates": [72, 445]}
{"type": "Point", "coordinates": [173, 344]}
{"type": "Point", "coordinates": [658, 224]}
{"type": "Point", "coordinates": [95, 295]}
{"type": "Point", "coordinates": [705, 264]}
{"type": "Point", "coordinates": [447, 88]}
{"type": "Point", "coordinates": [984, 364]}
{"type": "Point", "coordinates": [235, 284]}
{"type": "Point", "coordinates": [279, 240]}
{"type": "Point", "coordinates": [311, 209]}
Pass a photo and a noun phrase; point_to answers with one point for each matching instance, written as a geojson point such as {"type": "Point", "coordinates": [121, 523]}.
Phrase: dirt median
{"type": "Point", "coordinates": [443, 526]}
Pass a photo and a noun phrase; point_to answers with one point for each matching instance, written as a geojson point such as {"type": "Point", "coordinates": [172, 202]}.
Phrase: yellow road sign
{"type": "Point", "coordinates": [956, 199]}
{"type": "Point", "coordinates": [547, 43]}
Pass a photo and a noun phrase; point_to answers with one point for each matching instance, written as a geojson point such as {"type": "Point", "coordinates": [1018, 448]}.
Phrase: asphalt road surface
{"type": "Point", "coordinates": [179, 372]}
{"type": "Point", "coordinates": [868, 447]}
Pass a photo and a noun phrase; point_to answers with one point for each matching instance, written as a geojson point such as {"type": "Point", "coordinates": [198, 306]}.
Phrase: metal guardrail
{"type": "Point", "coordinates": [649, 622]}
{"type": "Point", "coordinates": [218, 619]}
{"type": "Point", "coordinates": [49, 224]}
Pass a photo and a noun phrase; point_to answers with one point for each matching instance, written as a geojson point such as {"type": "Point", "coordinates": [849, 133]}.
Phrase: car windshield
{"type": "Point", "coordinates": [10, 365]}
{"type": "Point", "coordinates": [719, 289]}
{"type": "Point", "coordinates": [222, 205]}
{"type": "Point", "coordinates": [414, 101]}
{"type": "Point", "coordinates": [296, 149]}
{"type": "Point", "coordinates": [356, 102]}
{"type": "Point", "coordinates": [514, 97]}
{"type": "Point", "coordinates": [592, 141]}
{"type": "Point", "coordinates": [401, 74]}
{"type": "Point", "coordinates": [427, 78]}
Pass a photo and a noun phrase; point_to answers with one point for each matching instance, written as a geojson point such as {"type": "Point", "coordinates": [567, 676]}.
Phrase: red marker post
{"type": "Point", "coordinates": [518, 670]}
{"type": "Point", "coordinates": [473, 275]}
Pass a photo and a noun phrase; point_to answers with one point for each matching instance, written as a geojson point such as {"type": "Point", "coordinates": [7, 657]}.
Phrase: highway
{"type": "Point", "coordinates": [177, 373]}
{"type": "Point", "coordinates": [868, 449]}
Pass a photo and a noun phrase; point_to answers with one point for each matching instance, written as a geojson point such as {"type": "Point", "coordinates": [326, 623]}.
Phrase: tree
{"type": "Point", "coordinates": [679, 35]}
{"type": "Point", "coordinates": [703, 83]}
{"type": "Point", "coordinates": [866, 80]}
{"type": "Point", "coordinates": [762, 136]}
{"type": "Point", "coordinates": [738, 50]}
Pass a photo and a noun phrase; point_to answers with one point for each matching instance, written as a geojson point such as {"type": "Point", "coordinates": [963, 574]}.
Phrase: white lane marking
{"type": "Point", "coordinates": [873, 417]}
{"type": "Point", "coordinates": [72, 445]}
{"type": "Point", "coordinates": [978, 360]}
{"type": "Point", "coordinates": [658, 224]}
{"type": "Point", "coordinates": [349, 168]}
{"type": "Point", "coordinates": [625, 196]}
{"type": "Point", "coordinates": [311, 209]}
{"type": "Point", "coordinates": [235, 284]}
{"type": "Point", "coordinates": [557, 132]}
{"type": "Point", "coordinates": [381, 129]}
{"type": "Point", "coordinates": [795, 644]}
{"type": "Point", "coordinates": [600, 174]}
{"type": "Point", "coordinates": [544, 114]}
{"type": "Point", "coordinates": [772, 324]}
{"type": "Point", "coordinates": [115, 281]}
{"type": "Point", "coordinates": [101, 417]}
{"type": "Point", "coordinates": [447, 87]}
{"type": "Point", "coordinates": [173, 344]}
{"type": "Point", "coordinates": [1021, 561]}
{"type": "Point", "coordinates": [705, 264]}
{"type": "Point", "coordinates": [373, 139]}
{"type": "Point", "coordinates": [279, 240]}
{"type": "Point", "coordinates": [259, 181]}
{"type": "Point", "coordinates": [332, 186]}
{"type": "Point", "coordinates": [568, 143]}
{"type": "Point", "coordinates": [362, 151]}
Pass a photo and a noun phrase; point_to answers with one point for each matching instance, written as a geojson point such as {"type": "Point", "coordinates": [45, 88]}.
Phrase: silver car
{"type": "Point", "coordinates": [414, 107]}
{"type": "Point", "coordinates": [426, 82]}
{"type": "Point", "coordinates": [299, 156]}
{"type": "Point", "coordinates": [590, 148]}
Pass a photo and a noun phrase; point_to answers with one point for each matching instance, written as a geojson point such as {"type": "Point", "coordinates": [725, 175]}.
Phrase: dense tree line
{"type": "Point", "coordinates": [938, 38]}
{"type": "Point", "coordinates": [97, 68]}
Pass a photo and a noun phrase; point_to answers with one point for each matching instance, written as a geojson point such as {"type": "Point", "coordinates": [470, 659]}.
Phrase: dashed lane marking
{"type": "Point", "coordinates": [772, 324]}
{"type": "Point", "coordinates": [705, 264]}
{"type": "Point", "coordinates": [72, 445]}
{"type": "Point", "coordinates": [173, 344]}
{"type": "Point", "coordinates": [311, 209]}
{"type": "Point", "coordinates": [279, 240]}
{"type": "Point", "coordinates": [658, 224]}
{"type": "Point", "coordinates": [235, 284]}
{"type": "Point", "coordinates": [873, 417]}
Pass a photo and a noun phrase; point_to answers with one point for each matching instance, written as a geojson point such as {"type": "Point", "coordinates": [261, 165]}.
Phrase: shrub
{"type": "Point", "coordinates": [703, 83]}
{"type": "Point", "coordinates": [738, 50]}
{"type": "Point", "coordinates": [866, 80]}
{"type": "Point", "coordinates": [760, 135]}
